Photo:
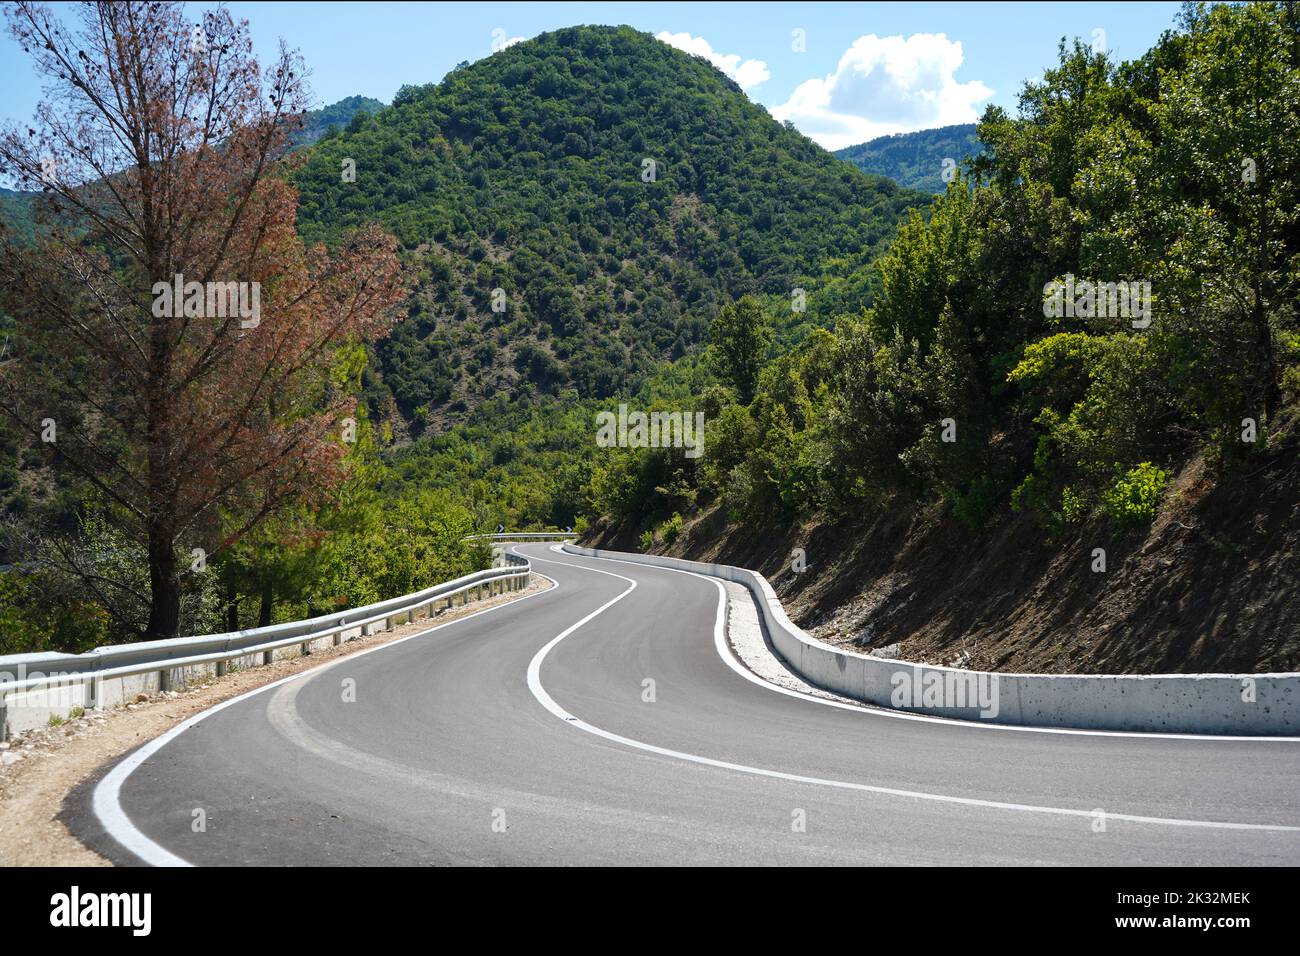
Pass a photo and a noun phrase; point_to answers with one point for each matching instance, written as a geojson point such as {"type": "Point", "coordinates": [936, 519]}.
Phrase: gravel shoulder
{"type": "Point", "coordinates": [750, 645]}
{"type": "Point", "coordinates": [39, 768]}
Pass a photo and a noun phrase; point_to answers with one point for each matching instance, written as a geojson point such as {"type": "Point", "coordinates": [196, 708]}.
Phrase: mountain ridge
{"type": "Point", "coordinates": [916, 160]}
{"type": "Point", "coordinates": [617, 192]}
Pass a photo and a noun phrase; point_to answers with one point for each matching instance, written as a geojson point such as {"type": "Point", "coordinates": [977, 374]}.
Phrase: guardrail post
{"type": "Point", "coordinates": [164, 680]}
{"type": "Point", "coordinates": [221, 668]}
{"type": "Point", "coordinates": [266, 657]}
{"type": "Point", "coordinates": [305, 647]}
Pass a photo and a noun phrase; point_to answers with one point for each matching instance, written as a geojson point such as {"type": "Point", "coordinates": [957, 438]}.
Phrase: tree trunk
{"type": "Point", "coordinates": [164, 588]}
{"type": "Point", "coordinates": [268, 604]}
{"type": "Point", "coordinates": [232, 607]}
{"type": "Point", "coordinates": [1263, 330]}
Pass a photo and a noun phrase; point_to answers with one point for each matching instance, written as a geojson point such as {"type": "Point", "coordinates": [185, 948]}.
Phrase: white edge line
{"type": "Point", "coordinates": [545, 699]}
{"type": "Point", "coordinates": [106, 799]}
{"type": "Point", "coordinates": [739, 667]}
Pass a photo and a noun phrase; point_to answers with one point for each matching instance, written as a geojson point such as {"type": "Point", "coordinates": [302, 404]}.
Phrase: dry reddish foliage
{"type": "Point", "coordinates": [161, 151]}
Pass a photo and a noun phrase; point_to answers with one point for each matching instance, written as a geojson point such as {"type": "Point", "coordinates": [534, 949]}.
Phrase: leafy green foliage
{"type": "Point", "coordinates": [957, 382]}
{"type": "Point", "coordinates": [671, 529]}
{"type": "Point", "coordinates": [1134, 496]}
{"type": "Point", "coordinates": [329, 120]}
{"type": "Point", "coordinates": [916, 160]}
{"type": "Point", "coordinates": [739, 339]}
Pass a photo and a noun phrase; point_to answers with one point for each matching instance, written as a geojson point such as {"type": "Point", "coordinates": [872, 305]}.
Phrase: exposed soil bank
{"type": "Point", "coordinates": [1213, 585]}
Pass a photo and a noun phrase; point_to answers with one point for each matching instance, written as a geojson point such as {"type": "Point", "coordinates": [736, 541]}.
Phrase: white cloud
{"type": "Point", "coordinates": [746, 73]}
{"type": "Point", "coordinates": [885, 85]}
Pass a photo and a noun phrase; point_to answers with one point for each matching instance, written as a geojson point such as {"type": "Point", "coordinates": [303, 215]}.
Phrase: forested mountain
{"type": "Point", "coordinates": [16, 212]}
{"type": "Point", "coordinates": [916, 160]}
{"type": "Point", "coordinates": [593, 216]}
{"type": "Point", "coordinates": [336, 116]}
{"type": "Point", "coordinates": [614, 189]}
{"type": "Point", "coordinates": [618, 193]}
{"type": "Point", "coordinates": [16, 207]}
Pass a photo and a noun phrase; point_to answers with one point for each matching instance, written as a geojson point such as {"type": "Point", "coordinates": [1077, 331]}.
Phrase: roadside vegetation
{"type": "Point", "coordinates": [1179, 169]}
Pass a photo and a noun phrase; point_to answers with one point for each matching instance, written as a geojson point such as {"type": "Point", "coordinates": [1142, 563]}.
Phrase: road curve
{"type": "Point", "coordinates": [523, 735]}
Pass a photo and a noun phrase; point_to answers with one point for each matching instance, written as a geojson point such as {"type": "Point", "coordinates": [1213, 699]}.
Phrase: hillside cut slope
{"type": "Point", "coordinates": [1212, 586]}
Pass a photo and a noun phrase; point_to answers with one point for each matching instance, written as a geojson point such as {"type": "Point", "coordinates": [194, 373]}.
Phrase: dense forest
{"type": "Point", "coordinates": [917, 160]}
{"type": "Point", "coordinates": [328, 120]}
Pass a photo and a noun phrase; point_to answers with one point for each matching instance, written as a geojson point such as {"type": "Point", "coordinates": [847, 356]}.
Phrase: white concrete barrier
{"type": "Point", "coordinates": [1232, 704]}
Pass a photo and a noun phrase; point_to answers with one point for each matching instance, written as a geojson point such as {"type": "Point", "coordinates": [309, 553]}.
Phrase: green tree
{"type": "Point", "coordinates": [739, 339]}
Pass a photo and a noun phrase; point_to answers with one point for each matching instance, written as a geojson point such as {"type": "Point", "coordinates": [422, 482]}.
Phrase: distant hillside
{"type": "Point", "coordinates": [915, 160]}
{"type": "Point", "coordinates": [16, 207]}
{"type": "Point", "coordinates": [615, 189]}
{"type": "Point", "coordinates": [16, 212]}
{"type": "Point", "coordinates": [334, 117]}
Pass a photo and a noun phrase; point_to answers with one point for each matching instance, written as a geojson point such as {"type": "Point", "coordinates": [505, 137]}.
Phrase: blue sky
{"type": "Point", "coordinates": [866, 69]}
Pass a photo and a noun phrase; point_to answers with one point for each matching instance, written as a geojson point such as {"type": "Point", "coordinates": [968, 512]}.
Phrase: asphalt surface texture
{"type": "Point", "coordinates": [636, 743]}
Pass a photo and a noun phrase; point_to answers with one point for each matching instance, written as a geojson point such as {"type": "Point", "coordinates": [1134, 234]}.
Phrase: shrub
{"type": "Point", "coordinates": [1075, 503]}
{"type": "Point", "coordinates": [671, 529]}
{"type": "Point", "coordinates": [1134, 497]}
{"type": "Point", "coordinates": [973, 506]}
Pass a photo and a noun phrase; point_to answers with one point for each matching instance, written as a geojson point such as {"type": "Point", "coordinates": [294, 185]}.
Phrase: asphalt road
{"type": "Point", "coordinates": [489, 741]}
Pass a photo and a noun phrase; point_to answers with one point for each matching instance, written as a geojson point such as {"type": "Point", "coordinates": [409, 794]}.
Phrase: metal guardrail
{"type": "Point", "coordinates": [125, 660]}
{"type": "Point", "coordinates": [525, 536]}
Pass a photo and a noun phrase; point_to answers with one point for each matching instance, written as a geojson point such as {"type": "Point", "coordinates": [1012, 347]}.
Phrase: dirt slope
{"type": "Point", "coordinates": [1213, 585]}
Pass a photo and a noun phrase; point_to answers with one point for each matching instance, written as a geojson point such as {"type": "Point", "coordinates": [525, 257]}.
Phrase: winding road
{"type": "Point", "coordinates": [524, 734]}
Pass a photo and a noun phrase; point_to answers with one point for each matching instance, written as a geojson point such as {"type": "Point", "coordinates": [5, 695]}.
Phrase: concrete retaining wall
{"type": "Point", "coordinates": [1234, 704]}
